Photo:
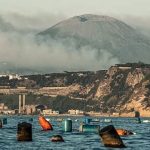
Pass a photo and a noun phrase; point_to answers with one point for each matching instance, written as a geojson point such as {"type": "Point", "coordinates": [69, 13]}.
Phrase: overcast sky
{"type": "Point", "coordinates": [76, 7]}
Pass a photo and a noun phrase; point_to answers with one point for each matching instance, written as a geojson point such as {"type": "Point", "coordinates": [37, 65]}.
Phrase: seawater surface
{"type": "Point", "coordinates": [74, 140]}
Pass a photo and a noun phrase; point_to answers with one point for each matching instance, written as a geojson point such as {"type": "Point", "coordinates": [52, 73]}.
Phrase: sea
{"type": "Point", "coordinates": [74, 140]}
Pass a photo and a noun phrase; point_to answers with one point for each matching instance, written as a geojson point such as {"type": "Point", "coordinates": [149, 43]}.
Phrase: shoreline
{"type": "Point", "coordinates": [80, 115]}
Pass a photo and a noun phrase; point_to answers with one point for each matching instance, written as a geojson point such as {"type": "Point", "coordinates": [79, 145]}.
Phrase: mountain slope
{"type": "Point", "coordinates": [101, 33]}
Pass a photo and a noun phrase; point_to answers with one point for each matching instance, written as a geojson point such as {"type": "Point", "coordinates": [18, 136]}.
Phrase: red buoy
{"type": "Point", "coordinates": [45, 124]}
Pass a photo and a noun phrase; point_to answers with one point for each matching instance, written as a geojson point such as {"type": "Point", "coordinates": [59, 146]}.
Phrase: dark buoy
{"type": "Point", "coordinates": [57, 138]}
{"type": "Point", "coordinates": [67, 125]}
{"type": "Point", "coordinates": [4, 120]}
{"type": "Point", "coordinates": [110, 137]}
{"type": "Point", "coordinates": [137, 115]}
{"type": "Point", "coordinates": [1, 124]}
{"type": "Point", "coordinates": [139, 120]}
{"type": "Point", "coordinates": [24, 132]}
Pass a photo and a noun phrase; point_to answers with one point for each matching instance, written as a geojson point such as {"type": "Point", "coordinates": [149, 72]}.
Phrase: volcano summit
{"type": "Point", "coordinates": [101, 33]}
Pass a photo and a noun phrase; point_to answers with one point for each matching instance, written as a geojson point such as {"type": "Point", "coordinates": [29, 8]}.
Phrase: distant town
{"type": "Point", "coordinates": [35, 109]}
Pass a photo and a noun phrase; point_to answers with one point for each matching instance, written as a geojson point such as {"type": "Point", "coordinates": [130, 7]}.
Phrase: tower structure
{"type": "Point", "coordinates": [22, 103]}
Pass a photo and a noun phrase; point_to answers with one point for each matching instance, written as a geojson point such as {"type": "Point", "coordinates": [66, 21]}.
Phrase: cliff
{"type": "Point", "coordinates": [123, 88]}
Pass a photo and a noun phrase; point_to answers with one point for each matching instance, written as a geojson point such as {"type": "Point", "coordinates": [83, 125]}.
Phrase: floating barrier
{"type": "Point", "coordinates": [67, 125]}
{"type": "Point", "coordinates": [123, 132]}
{"type": "Point", "coordinates": [57, 138]}
{"type": "Point", "coordinates": [45, 124]}
{"type": "Point", "coordinates": [1, 124]}
{"type": "Point", "coordinates": [89, 128]}
{"type": "Point", "coordinates": [24, 132]}
{"type": "Point", "coordinates": [110, 137]}
{"type": "Point", "coordinates": [88, 120]}
{"type": "Point", "coordinates": [4, 120]}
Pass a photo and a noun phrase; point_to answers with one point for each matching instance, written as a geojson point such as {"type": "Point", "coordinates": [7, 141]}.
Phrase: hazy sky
{"type": "Point", "coordinates": [76, 7]}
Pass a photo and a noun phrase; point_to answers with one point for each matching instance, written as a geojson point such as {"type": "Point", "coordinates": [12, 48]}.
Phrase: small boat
{"type": "Point", "coordinates": [95, 120]}
{"type": "Point", "coordinates": [146, 121]}
{"type": "Point", "coordinates": [107, 120]}
{"type": "Point", "coordinates": [76, 120]}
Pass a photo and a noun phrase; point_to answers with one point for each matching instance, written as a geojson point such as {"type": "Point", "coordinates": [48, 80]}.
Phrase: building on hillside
{"type": "Point", "coordinates": [14, 76]}
{"type": "Point", "coordinates": [4, 109]}
{"type": "Point", "coordinates": [55, 112]}
{"type": "Point", "coordinates": [3, 106]}
{"type": "Point", "coordinates": [50, 112]}
{"type": "Point", "coordinates": [7, 112]}
{"type": "Point", "coordinates": [47, 112]}
{"type": "Point", "coordinates": [30, 109]}
{"type": "Point", "coordinates": [75, 112]}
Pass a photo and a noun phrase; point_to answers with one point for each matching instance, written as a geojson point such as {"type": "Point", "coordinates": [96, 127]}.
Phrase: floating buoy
{"type": "Point", "coordinates": [1, 124]}
{"type": "Point", "coordinates": [110, 137]}
{"type": "Point", "coordinates": [24, 132]}
{"type": "Point", "coordinates": [57, 138]}
{"type": "Point", "coordinates": [45, 124]}
{"type": "Point", "coordinates": [139, 120]}
{"type": "Point", "coordinates": [137, 114]}
{"type": "Point", "coordinates": [67, 125]}
{"type": "Point", "coordinates": [123, 132]}
{"type": "Point", "coordinates": [89, 128]}
{"type": "Point", "coordinates": [4, 120]}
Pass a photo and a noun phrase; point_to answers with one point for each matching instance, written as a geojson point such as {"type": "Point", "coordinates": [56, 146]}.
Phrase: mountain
{"type": "Point", "coordinates": [101, 34]}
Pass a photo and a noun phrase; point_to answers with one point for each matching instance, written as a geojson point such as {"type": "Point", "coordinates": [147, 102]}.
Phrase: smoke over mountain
{"type": "Point", "coordinates": [20, 51]}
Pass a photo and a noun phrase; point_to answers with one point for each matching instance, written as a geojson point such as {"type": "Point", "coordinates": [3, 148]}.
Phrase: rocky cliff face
{"type": "Point", "coordinates": [120, 89]}
{"type": "Point", "coordinates": [125, 89]}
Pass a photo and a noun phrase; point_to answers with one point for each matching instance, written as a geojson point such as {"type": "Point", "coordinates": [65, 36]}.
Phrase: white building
{"type": "Point", "coordinates": [75, 112]}
{"type": "Point", "coordinates": [50, 112]}
{"type": "Point", "coordinates": [14, 76]}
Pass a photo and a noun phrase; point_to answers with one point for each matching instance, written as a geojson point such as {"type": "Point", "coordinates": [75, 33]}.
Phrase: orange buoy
{"type": "Point", "coordinates": [123, 132]}
{"type": "Point", "coordinates": [45, 124]}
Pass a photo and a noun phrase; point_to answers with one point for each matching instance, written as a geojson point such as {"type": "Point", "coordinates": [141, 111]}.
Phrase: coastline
{"type": "Point", "coordinates": [123, 115]}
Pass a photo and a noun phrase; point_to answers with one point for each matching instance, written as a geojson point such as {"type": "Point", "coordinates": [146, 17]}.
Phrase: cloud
{"type": "Point", "coordinates": [19, 47]}
{"type": "Point", "coordinates": [24, 51]}
{"type": "Point", "coordinates": [29, 24]}
{"type": "Point", "coordinates": [141, 23]}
